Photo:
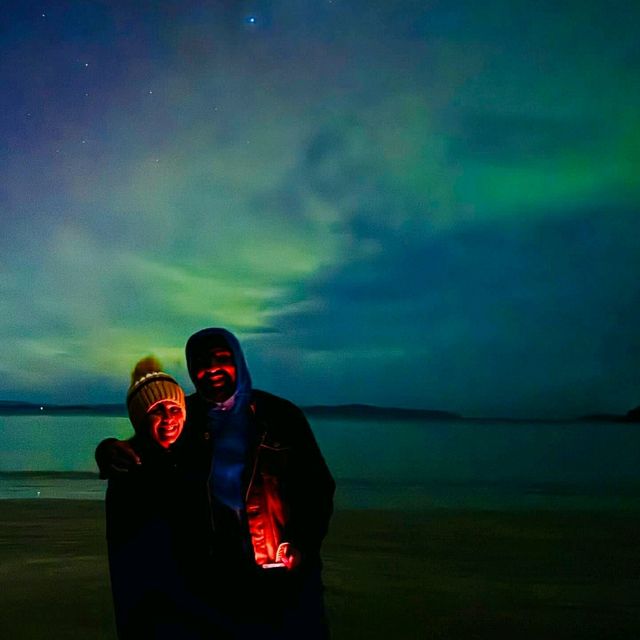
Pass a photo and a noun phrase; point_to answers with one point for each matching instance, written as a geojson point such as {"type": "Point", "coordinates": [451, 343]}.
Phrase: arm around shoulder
{"type": "Point", "coordinates": [115, 457]}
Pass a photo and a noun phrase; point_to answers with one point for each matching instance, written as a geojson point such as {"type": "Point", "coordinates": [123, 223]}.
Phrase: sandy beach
{"type": "Point", "coordinates": [389, 574]}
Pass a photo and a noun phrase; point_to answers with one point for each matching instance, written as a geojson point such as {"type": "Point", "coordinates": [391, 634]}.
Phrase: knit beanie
{"type": "Point", "coordinates": [149, 385]}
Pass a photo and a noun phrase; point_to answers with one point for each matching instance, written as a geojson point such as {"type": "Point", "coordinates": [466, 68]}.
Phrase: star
{"type": "Point", "coordinates": [251, 19]}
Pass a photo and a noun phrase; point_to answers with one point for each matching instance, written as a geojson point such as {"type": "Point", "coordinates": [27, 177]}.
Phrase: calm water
{"type": "Point", "coordinates": [378, 463]}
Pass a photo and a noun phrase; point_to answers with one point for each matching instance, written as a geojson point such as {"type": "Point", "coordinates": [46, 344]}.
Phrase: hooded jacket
{"type": "Point", "coordinates": [287, 489]}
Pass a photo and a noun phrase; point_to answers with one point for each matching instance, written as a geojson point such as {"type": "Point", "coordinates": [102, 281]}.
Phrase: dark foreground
{"type": "Point", "coordinates": [396, 575]}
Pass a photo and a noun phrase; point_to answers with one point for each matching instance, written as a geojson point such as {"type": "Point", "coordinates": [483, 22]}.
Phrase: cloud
{"type": "Point", "coordinates": [424, 204]}
{"type": "Point", "coordinates": [531, 319]}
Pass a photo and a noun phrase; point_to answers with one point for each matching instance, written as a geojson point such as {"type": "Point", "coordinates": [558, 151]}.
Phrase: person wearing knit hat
{"type": "Point", "coordinates": [155, 402]}
{"type": "Point", "coordinates": [151, 514]}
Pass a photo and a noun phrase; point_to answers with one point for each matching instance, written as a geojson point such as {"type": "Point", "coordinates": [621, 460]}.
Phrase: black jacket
{"type": "Point", "coordinates": [157, 538]}
{"type": "Point", "coordinates": [286, 478]}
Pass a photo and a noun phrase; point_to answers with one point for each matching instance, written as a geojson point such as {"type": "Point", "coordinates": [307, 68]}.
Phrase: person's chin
{"type": "Point", "coordinates": [215, 394]}
{"type": "Point", "coordinates": [167, 437]}
{"type": "Point", "coordinates": [206, 390]}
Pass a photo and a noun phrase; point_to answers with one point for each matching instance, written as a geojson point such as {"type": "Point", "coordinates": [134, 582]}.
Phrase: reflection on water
{"type": "Point", "coordinates": [378, 464]}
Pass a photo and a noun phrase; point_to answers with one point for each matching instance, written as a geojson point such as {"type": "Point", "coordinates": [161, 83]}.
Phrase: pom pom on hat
{"type": "Point", "coordinates": [150, 364]}
{"type": "Point", "coordinates": [150, 385]}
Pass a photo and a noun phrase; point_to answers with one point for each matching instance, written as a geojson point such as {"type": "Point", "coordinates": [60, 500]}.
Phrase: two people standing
{"type": "Point", "coordinates": [240, 498]}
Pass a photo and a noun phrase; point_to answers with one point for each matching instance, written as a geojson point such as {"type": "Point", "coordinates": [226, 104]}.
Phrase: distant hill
{"type": "Point", "coordinates": [352, 411]}
{"type": "Point", "coordinates": [630, 416]}
{"type": "Point", "coordinates": [366, 411]}
{"type": "Point", "coordinates": [633, 415]}
{"type": "Point", "coordinates": [348, 411]}
{"type": "Point", "coordinates": [601, 417]}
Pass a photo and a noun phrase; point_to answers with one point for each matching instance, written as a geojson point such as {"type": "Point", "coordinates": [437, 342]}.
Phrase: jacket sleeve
{"type": "Point", "coordinates": [105, 455]}
{"type": "Point", "coordinates": [311, 489]}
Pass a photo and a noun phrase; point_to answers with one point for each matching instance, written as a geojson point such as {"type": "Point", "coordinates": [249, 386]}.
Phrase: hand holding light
{"type": "Point", "coordinates": [288, 555]}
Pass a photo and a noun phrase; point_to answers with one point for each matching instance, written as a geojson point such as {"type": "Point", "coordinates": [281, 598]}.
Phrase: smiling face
{"type": "Point", "coordinates": [216, 373]}
{"type": "Point", "coordinates": [165, 420]}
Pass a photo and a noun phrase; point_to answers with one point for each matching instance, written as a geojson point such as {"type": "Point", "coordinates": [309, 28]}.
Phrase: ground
{"type": "Point", "coordinates": [390, 574]}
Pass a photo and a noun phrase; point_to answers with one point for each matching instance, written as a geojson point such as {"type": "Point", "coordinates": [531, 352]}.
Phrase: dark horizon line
{"type": "Point", "coordinates": [351, 410]}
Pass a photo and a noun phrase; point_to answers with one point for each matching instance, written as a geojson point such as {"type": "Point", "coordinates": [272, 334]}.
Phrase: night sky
{"type": "Point", "coordinates": [419, 204]}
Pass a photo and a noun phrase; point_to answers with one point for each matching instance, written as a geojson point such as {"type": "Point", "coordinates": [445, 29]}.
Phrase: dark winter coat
{"type": "Point", "coordinates": [288, 487]}
{"type": "Point", "coordinates": [157, 538]}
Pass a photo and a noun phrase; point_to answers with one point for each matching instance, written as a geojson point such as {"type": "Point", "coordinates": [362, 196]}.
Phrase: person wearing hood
{"type": "Point", "coordinates": [270, 493]}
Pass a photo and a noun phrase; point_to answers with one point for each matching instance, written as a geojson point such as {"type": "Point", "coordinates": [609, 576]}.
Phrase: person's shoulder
{"type": "Point", "coordinates": [193, 400]}
{"type": "Point", "coordinates": [282, 420]}
{"type": "Point", "coordinates": [196, 408]}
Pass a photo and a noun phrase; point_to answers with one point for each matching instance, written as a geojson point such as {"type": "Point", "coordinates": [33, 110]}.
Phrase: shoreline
{"type": "Point", "coordinates": [431, 573]}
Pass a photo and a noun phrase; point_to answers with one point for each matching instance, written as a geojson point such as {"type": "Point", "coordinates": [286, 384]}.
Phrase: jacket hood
{"type": "Point", "coordinates": [206, 338]}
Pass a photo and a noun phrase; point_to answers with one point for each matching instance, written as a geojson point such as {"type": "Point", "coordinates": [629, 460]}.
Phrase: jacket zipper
{"type": "Point", "coordinates": [255, 467]}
